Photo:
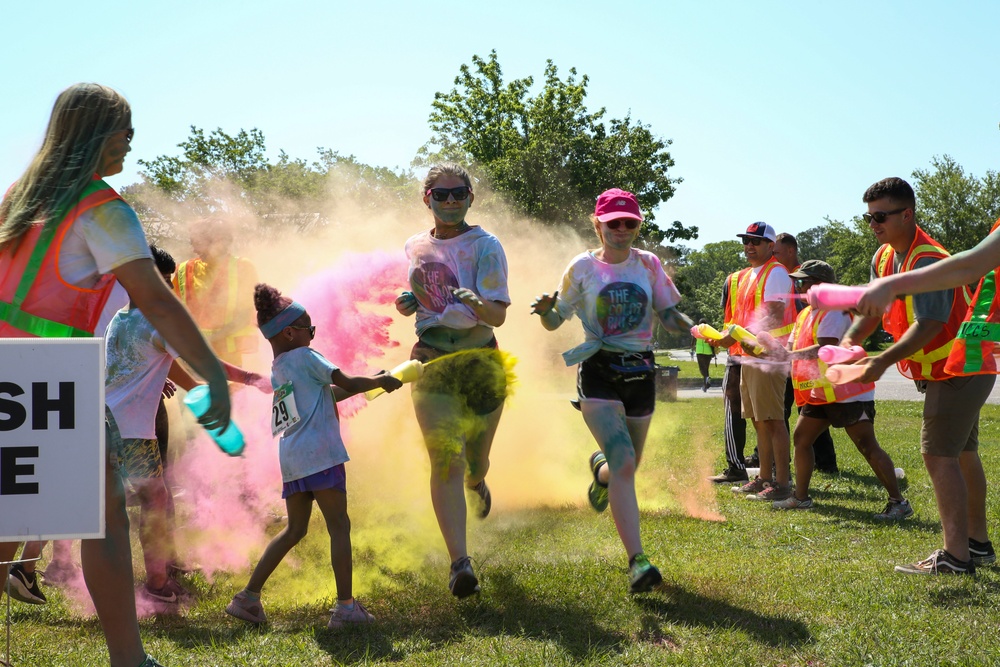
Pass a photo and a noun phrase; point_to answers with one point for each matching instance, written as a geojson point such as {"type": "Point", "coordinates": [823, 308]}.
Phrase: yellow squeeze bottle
{"type": "Point", "coordinates": [744, 336]}
{"type": "Point", "coordinates": [408, 371]}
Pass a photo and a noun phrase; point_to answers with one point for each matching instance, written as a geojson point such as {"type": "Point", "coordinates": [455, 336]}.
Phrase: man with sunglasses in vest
{"type": "Point", "coordinates": [760, 304]}
{"type": "Point", "coordinates": [924, 327]}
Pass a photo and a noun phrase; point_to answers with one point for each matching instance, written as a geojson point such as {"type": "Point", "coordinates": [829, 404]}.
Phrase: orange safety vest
{"type": "Point", "coordinates": [929, 362]}
{"type": "Point", "coordinates": [212, 298]}
{"type": "Point", "coordinates": [809, 381]}
{"type": "Point", "coordinates": [975, 348]}
{"type": "Point", "coordinates": [750, 297]}
{"type": "Point", "coordinates": [35, 301]}
{"type": "Point", "coordinates": [729, 308]}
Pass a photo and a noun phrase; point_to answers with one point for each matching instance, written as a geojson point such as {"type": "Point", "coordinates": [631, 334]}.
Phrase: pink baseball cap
{"type": "Point", "coordinates": [616, 203]}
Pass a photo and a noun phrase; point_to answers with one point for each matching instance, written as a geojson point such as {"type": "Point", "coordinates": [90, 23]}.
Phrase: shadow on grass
{"type": "Point", "coordinates": [678, 605]}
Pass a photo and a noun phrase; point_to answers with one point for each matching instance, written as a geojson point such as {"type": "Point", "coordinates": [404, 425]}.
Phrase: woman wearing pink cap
{"type": "Point", "coordinates": [616, 290]}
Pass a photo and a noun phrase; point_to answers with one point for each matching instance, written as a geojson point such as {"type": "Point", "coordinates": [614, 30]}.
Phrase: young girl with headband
{"type": "Point", "coordinates": [311, 451]}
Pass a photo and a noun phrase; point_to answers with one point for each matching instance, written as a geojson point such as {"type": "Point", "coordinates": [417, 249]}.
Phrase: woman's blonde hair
{"type": "Point", "coordinates": [84, 116]}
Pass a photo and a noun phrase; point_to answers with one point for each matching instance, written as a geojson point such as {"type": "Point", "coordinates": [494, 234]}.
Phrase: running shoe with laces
{"type": "Point", "coordinates": [939, 562]}
{"type": "Point", "coordinates": [642, 575]}
{"type": "Point", "coordinates": [24, 585]}
{"type": "Point", "coordinates": [171, 593]}
{"type": "Point", "coordinates": [597, 494]}
{"type": "Point", "coordinates": [793, 503]}
{"type": "Point", "coordinates": [982, 553]}
{"type": "Point", "coordinates": [729, 475]}
{"type": "Point", "coordinates": [243, 607]}
{"type": "Point", "coordinates": [463, 581]}
{"type": "Point", "coordinates": [895, 511]}
{"type": "Point", "coordinates": [772, 492]}
{"type": "Point", "coordinates": [483, 492]}
{"type": "Point", "coordinates": [356, 615]}
{"type": "Point", "coordinates": [58, 573]}
{"type": "Point", "coordinates": [150, 662]}
{"type": "Point", "coordinates": [756, 485]}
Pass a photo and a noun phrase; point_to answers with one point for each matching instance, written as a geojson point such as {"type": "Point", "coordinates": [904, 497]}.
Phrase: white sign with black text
{"type": "Point", "coordinates": [52, 449]}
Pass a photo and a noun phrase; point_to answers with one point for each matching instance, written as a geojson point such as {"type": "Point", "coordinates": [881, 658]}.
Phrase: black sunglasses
{"type": "Point", "coordinates": [630, 223]}
{"type": "Point", "coordinates": [799, 282]}
{"type": "Point", "coordinates": [129, 135]}
{"type": "Point", "coordinates": [752, 241]}
{"type": "Point", "coordinates": [312, 330]}
{"type": "Point", "coordinates": [441, 194]}
{"type": "Point", "coordinates": [880, 216]}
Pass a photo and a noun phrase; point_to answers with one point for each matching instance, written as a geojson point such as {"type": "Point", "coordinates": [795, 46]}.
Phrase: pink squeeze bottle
{"type": "Point", "coordinates": [828, 296]}
{"type": "Point", "coordinates": [834, 354]}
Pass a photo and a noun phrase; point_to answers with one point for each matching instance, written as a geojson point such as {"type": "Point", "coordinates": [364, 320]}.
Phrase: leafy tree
{"type": "Point", "coordinates": [956, 208]}
{"type": "Point", "coordinates": [546, 153]}
{"type": "Point", "coordinates": [219, 172]}
{"type": "Point", "coordinates": [701, 277]}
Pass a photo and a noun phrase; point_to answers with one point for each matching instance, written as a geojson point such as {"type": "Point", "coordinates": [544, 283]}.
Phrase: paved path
{"type": "Point", "coordinates": [892, 386]}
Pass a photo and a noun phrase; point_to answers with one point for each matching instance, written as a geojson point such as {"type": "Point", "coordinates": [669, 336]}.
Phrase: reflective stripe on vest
{"type": "Point", "coordinates": [809, 382]}
{"type": "Point", "coordinates": [189, 293]}
{"type": "Point", "coordinates": [927, 363]}
{"type": "Point", "coordinates": [40, 242]}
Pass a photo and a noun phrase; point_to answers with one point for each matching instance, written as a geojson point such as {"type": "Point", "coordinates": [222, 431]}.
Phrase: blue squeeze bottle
{"type": "Point", "coordinates": [231, 440]}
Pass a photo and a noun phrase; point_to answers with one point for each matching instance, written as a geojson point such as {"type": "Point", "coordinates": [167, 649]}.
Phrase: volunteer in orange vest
{"type": "Point", "coordinates": [924, 327]}
{"type": "Point", "coordinates": [734, 426]}
{"type": "Point", "coordinates": [821, 404]}
{"type": "Point", "coordinates": [65, 238]}
{"type": "Point", "coordinates": [786, 251]}
{"type": "Point", "coordinates": [762, 305]}
{"type": "Point", "coordinates": [217, 287]}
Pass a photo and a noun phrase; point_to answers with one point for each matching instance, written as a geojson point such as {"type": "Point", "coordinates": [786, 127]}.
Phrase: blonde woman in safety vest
{"type": "Point", "coordinates": [924, 327]}
{"type": "Point", "coordinates": [65, 238]}
{"type": "Point", "coordinates": [822, 404]}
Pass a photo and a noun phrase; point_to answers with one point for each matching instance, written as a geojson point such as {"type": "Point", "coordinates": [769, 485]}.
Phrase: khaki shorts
{"type": "Point", "coordinates": [951, 415]}
{"type": "Point", "coordinates": [762, 393]}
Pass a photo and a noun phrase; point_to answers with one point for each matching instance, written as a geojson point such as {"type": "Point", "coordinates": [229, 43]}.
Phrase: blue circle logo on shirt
{"type": "Point", "coordinates": [432, 284]}
{"type": "Point", "coordinates": [621, 307]}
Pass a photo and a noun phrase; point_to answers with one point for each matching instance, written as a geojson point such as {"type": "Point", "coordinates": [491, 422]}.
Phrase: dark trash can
{"type": "Point", "coordinates": [666, 382]}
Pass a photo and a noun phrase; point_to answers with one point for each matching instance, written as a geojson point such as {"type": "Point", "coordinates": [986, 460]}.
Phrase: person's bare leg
{"type": "Point", "coordinates": [863, 436]}
{"type": "Point", "coordinates": [299, 509]}
{"type": "Point", "coordinates": [606, 421]}
{"type": "Point", "coordinates": [975, 484]}
{"type": "Point", "coordinates": [153, 530]}
{"type": "Point", "coordinates": [107, 571]}
{"type": "Point", "coordinates": [806, 430]}
{"type": "Point", "coordinates": [333, 504]}
{"type": "Point", "coordinates": [952, 502]}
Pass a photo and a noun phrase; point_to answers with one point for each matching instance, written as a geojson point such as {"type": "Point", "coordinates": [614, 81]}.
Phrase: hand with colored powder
{"type": "Point", "coordinates": [544, 304]}
{"type": "Point", "coordinates": [468, 297]}
{"type": "Point", "coordinates": [406, 303]}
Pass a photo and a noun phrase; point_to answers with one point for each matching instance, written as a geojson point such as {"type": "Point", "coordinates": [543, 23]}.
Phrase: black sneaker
{"type": "Point", "coordinates": [939, 562]}
{"type": "Point", "coordinates": [24, 585]}
{"type": "Point", "coordinates": [982, 553]}
{"type": "Point", "coordinates": [483, 492]}
{"type": "Point", "coordinates": [752, 461]}
{"type": "Point", "coordinates": [463, 581]}
{"type": "Point", "coordinates": [730, 475]}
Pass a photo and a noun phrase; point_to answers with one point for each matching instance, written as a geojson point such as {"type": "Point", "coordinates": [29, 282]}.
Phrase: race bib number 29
{"type": "Point", "coordinates": [283, 412]}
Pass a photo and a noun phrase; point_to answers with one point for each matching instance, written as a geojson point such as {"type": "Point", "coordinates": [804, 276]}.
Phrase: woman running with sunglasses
{"type": "Point", "coordinates": [616, 290]}
{"type": "Point", "coordinates": [458, 274]}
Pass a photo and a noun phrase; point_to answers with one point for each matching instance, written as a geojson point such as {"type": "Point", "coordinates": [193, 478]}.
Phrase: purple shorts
{"type": "Point", "coordinates": [331, 478]}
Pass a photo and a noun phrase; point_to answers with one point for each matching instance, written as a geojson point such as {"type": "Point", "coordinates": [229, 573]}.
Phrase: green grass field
{"type": "Point", "coordinates": [744, 586]}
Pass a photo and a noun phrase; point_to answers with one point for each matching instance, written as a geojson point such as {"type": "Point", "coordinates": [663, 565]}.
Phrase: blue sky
{"type": "Point", "coordinates": [779, 111]}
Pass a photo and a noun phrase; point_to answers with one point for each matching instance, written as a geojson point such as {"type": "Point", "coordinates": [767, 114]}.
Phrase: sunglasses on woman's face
{"type": "Point", "coordinates": [630, 223]}
{"type": "Point", "coordinates": [441, 194]}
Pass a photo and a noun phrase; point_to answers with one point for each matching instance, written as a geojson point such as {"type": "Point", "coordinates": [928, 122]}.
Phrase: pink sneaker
{"type": "Point", "coordinates": [342, 616]}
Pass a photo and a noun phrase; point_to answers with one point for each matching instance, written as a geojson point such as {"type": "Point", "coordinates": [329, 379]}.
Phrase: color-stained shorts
{"type": "Point", "coordinates": [331, 478]}
{"type": "Point", "coordinates": [628, 377]}
{"type": "Point", "coordinates": [951, 414]}
{"type": "Point", "coordinates": [762, 393]}
{"type": "Point", "coordinates": [141, 458]}
{"type": "Point", "coordinates": [477, 375]}
{"type": "Point", "coordinates": [841, 415]}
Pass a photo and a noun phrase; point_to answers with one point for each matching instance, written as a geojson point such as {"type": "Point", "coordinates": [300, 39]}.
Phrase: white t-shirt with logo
{"type": "Point", "coordinates": [616, 303]}
{"type": "Point", "coordinates": [474, 260]}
